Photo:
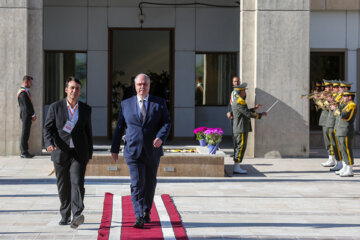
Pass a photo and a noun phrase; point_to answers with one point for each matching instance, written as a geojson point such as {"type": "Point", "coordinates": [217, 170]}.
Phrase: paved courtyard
{"type": "Point", "coordinates": [280, 198]}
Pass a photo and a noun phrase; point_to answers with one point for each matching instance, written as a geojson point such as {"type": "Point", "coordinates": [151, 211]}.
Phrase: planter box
{"type": "Point", "coordinates": [177, 164]}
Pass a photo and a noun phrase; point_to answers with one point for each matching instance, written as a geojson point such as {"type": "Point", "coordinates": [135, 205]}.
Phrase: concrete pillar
{"type": "Point", "coordinates": [21, 53]}
{"type": "Point", "coordinates": [274, 61]}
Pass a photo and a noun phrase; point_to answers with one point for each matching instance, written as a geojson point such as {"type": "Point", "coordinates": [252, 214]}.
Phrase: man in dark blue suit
{"type": "Point", "coordinates": [147, 123]}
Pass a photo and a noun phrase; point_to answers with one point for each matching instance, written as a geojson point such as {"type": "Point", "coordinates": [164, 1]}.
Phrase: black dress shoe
{"type": "Point", "coordinates": [139, 223]}
{"type": "Point", "coordinates": [64, 221]}
{"type": "Point", "coordinates": [26, 155]}
{"type": "Point", "coordinates": [77, 221]}
{"type": "Point", "coordinates": [147, 218]}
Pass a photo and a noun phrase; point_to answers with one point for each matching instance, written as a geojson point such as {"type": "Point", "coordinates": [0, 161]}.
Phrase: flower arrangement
{"type": "Point", "coordinates": [213, 136]}
{"type": "Point", "coordinates": [199, 132]}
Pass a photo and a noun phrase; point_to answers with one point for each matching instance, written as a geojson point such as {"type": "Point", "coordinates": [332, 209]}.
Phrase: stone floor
{"type": "Point", "coordinates": [283, 198]}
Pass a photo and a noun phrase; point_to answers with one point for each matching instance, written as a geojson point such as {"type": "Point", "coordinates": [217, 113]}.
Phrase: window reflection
{"type": "Point", "coordinates": [58, 67]}
{"type": "Point", "coordinates": [213, 78]}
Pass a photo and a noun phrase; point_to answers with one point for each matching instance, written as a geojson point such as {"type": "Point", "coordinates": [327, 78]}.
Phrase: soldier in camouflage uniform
{"type": "Point", "coordinates": [242, 124]}
{"type": "Point", "coordinates": [345, 132]}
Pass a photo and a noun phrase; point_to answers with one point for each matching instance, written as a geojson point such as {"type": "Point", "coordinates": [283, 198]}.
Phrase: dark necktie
{"type": "Point", "coordinates": [142, 110]}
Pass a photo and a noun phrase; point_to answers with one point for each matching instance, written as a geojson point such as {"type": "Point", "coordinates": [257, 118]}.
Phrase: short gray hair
{"type": "Point", "coordinates": [142, 74]}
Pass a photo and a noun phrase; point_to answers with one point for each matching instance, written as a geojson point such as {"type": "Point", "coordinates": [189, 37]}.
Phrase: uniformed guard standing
{"type": "Point", "coordinates": [330, 124]}
{"type": "Point", "coordinates": [344, 86]}
{"type": "Point", "coordinates": [229, 114]}
{"type": "Point", "coordinates": [242, 124]}
{"type": "Point", "coordinates": [27, 115]}
{"type": "Point", "coordinates": [345, 133]}
{"type": "Point", "coordinates": [322, 122]}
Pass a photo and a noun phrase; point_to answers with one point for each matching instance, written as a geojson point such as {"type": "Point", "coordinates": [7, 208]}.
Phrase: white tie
{"type": "Point", "coordinates": [142, 110]}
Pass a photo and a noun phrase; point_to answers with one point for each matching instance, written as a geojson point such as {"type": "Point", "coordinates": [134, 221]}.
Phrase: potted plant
{"type": "Point", "coordinates": [213, 137]}
{"type": "Point", "coordinates": [199, 132]}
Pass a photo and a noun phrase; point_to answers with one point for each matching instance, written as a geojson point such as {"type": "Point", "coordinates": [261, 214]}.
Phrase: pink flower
{"type": "Point", "coordinates": [199, 129]}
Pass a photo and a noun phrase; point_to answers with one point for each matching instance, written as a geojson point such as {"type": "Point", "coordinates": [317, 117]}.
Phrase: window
{"type": "Point", "coordinates": [324, 65]}
{"type": "Point", "coordinates": [214, 72]}
{"type": "Point", "coordinates": [58, 67]}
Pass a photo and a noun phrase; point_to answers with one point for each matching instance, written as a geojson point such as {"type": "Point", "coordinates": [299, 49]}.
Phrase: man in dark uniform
{"type": "Point", "coordinates": [242, 124]}
{"type": "Point", "coordinates": [345, 133]}
{"type": "Point", "coordinates": [27, 115]}
{"type": "Point", "coordinates": [68, 136]}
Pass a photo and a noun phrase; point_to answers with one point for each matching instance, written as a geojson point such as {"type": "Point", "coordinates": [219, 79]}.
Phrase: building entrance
{"type": "Point", "coordinates": [134, 51]}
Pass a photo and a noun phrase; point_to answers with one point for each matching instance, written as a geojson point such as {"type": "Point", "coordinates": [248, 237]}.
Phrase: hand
{"type": "Point", "coordinates": [50, 148]}
{"type": "Point", "coordinates": [264, 114]}
{"type": "Point", "coordinates": [157, 142]}
{"type": "Point", "coordinates": [33, 118]}
{"type": "Point", "coordinates": [258, 106]}
{"type": "Point", "coordinates": [115, 156]}
{"type": "Point", "coordinates": [229, 116]}
{"type": "Point", "coordinates": [332, 107]}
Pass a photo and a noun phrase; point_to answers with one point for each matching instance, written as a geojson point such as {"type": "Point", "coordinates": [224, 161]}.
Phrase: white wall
{"type": "Point", "coordinates": [82, 25]}
{"type": "Point", "coordinates": [337, 30]}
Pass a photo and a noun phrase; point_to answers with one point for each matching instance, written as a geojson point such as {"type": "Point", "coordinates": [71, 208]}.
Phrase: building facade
{"type": "Point", "coordinates": [275, 46]}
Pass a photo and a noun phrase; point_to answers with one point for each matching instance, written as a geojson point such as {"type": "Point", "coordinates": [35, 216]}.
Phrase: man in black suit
{"type": "Point", "coordinates": [27, 115]}
{"type": "Point", "coordinates": [68, 136]}
{"type": "Point", "coordinates": [147, 123]}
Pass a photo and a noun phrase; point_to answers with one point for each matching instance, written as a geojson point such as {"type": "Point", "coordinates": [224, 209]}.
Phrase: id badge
{"type": "Point", "coordinates": [69, 126]}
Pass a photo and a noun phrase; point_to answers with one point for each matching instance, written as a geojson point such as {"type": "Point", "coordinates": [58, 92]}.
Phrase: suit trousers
{"type": "Point", "coordinates": [25, 134]}
{"type": "Point", "coordinates": [143, 182]}
{"type": "Point", "coordinates": [345, 145]}
{"type": "Point", "coordinates": [70, 177]}
{"type": "Point", "coordinates": [241, 142]}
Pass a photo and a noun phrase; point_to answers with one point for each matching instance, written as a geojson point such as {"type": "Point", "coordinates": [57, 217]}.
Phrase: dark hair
{"type": "Point", "coordinates": [27, 77]}
{"type": "Point", "coordinates": [71, 78]}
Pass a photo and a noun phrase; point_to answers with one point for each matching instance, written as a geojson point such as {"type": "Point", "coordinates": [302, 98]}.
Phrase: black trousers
{"type": "Point", "coordinates": [70, 177]}
{"type": "Point", "coordinates": [25, 134]}
{"type": "Point", "coordinates": [143, 182]}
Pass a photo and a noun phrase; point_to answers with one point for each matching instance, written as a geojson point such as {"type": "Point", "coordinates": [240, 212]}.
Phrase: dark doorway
{"type": "Point", "coordinates": [324, 65]}
{"type": "Point", "coordinates": [134, 51]}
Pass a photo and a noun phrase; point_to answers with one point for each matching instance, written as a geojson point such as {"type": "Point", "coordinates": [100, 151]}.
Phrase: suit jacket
{"type": "Point", "coordinates": [81, 134]}
{"type": "Point", "coordinates": [242, 115]}
{"type": "Point", "coordinates": [26, 106]}
{"type": "Point", "coordinates": [139, 135]}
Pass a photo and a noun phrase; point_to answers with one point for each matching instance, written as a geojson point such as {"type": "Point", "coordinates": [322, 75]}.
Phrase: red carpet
{"type": "Point", "coordinates": [118, 218]}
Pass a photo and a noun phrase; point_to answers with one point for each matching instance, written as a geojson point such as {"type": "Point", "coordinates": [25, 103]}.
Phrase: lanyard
{"type": "Point", "coordinates": [72, 113]}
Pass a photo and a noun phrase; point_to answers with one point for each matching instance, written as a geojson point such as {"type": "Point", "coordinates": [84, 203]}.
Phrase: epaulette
{"type": "Point", "coordinates": [241, 101]}
{"type": "Point", "coordinates": [350, 106]}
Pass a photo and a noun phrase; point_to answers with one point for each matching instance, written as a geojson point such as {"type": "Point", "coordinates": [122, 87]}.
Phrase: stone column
{"type": "Point", "coordinates": [21, 53]}
{"type": "Point", "coordinates": [274, 61]}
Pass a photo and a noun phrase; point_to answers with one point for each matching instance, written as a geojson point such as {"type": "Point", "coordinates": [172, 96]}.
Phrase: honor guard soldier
{"type": "Point", "coordinates": [242, 124]}
{"type": "Point", "coordinates": [333, 99]}
{"type": "Point", "coordinates": [345, 132]}
{"type": "Point", "coordinates": [320, 101]}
